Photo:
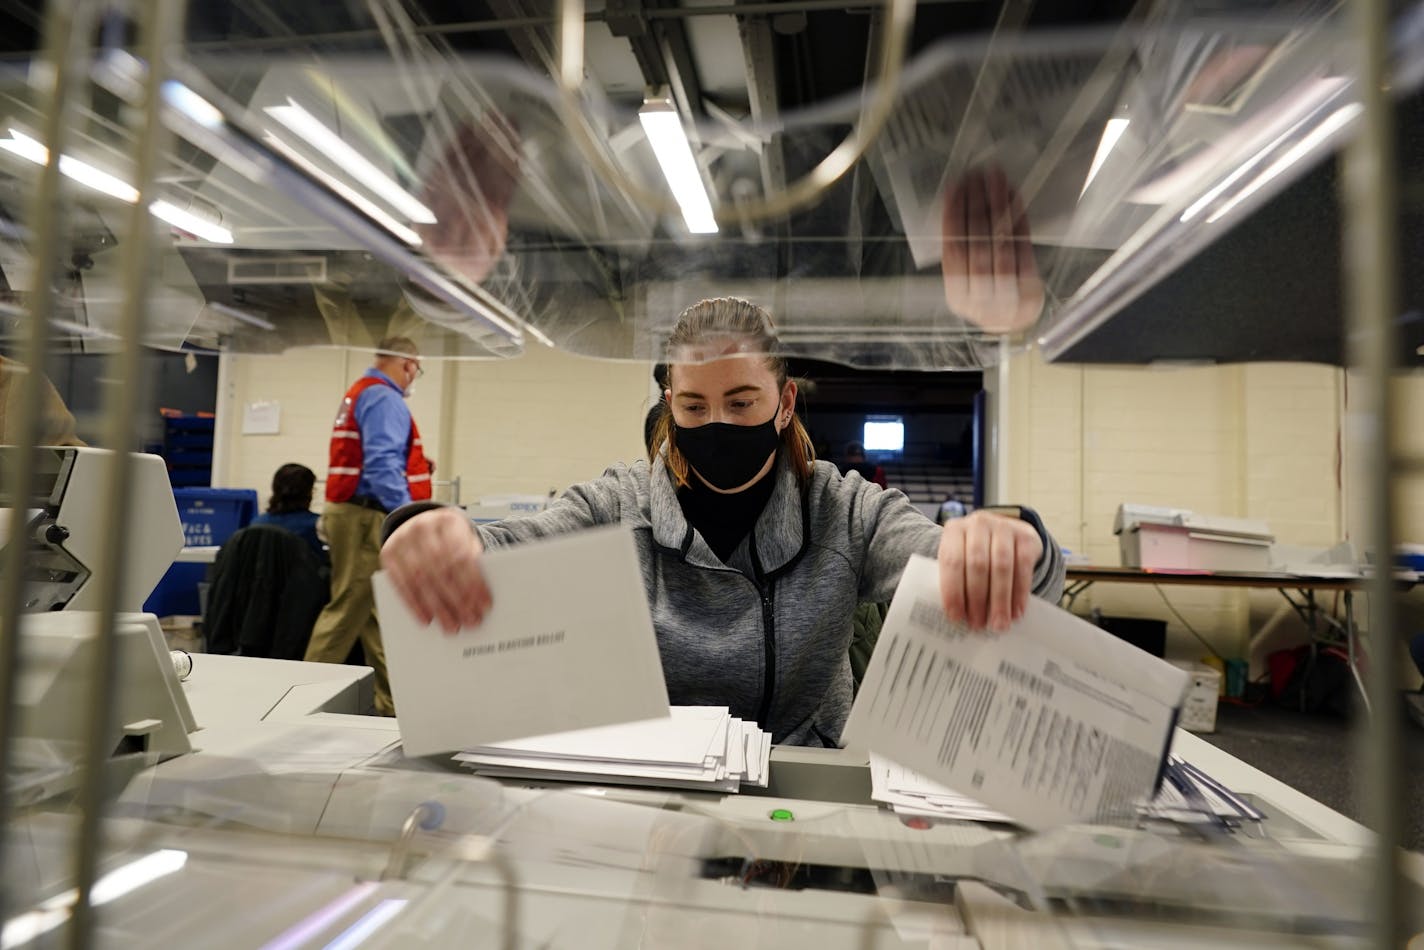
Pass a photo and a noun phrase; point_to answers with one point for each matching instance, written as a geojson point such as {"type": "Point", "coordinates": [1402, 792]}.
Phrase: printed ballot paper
{"type": "Point", "coordinates": [1052, 722]}
{"type": "Point", "coordinates": [567, 643]}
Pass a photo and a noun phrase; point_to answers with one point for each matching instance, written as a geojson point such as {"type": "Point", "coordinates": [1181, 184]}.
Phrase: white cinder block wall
{"type": "Point", "coordinates": [1409, 499]}
{"type": "Point", "coordinates": [1410, 426]}
{"type": "Point", "coordinates": [543, 421]}
{"type": "Point", "coordinates": [1260, 441]}
{"type": "Point", "coordinates": [1253, 441]}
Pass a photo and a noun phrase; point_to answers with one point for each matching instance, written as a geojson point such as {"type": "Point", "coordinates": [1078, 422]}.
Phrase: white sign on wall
{"type": "Point", "coordinates": [263, 417]}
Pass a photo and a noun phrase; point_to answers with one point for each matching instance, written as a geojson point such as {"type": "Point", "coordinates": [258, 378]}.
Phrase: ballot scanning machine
{"type": "Point", "coordinates": [292, 804]}
{"type": "Point", "coordinates": [63, 527]}
{"type": "Point", "coordinates": [57, 649]}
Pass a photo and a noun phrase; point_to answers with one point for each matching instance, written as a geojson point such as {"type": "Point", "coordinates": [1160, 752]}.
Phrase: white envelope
{"type": "Point", "coordinates": [568, 643]}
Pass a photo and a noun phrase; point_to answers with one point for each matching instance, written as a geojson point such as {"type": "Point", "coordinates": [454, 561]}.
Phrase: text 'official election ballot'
{"type": "Point", "coordinates": [567, 644]}
{"type": "Point", "coordinates": [1051, 722]}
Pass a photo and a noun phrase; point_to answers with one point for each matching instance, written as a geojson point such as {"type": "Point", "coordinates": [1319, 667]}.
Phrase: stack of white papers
{"type": "Point", "coordinates": [1188, 796]}
{"type": "Point", "coordinates": [910, 793]}
{"type": "Point", "coordinates": [1057, 721]}
{"type": "Point", "coordinates": [697, 747]}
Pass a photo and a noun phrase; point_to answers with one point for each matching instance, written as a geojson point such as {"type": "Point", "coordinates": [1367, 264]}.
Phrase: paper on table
{"type": "Point", "coordinates": [1052, 722]}
{"type": "Point", "coordinates": [908, 791]}
{"type": "Point", "coordinates": [697, 747]}
{"type": "Point", "coordinates": [567, 644]}
{"type": "Point", "coordinates": [687, 735]}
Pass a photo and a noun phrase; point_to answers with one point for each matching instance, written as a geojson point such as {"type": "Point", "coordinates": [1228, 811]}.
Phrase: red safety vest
{"type": "Point", "coordinates": [344, 471]}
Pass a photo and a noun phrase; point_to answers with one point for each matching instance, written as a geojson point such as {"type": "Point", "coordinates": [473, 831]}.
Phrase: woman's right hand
{"type": "Point", "coordinates": [434, 562]}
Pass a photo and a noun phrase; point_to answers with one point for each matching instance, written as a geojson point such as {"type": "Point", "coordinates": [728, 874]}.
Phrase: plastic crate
{"type": "Point", "coordinates": [177, 592]}
{"type": "Point", "coordinates": [188, 450]}
{"type": "Point", "coordinates": [189, 424]}
{"type": "Point", "coordinates": [190, 477]}
{"type": "Point", "coordinates": [212, 515]}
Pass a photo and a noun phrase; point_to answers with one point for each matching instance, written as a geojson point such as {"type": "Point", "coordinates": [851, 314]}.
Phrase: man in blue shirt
{"type": "Point", "coordinates": [377, 464]}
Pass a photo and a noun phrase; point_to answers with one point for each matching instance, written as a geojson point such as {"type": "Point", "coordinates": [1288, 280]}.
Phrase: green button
{"type": "Point", "coordinates": [782, 814]}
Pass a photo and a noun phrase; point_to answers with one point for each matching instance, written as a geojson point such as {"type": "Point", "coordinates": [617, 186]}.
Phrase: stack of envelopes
{"type": "Point", "coordinates": [696, 747]}
{"type": "Point", "coordinates": [910, 793]}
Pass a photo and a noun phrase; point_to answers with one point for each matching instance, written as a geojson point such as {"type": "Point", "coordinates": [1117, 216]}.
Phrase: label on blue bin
{"type": "Point", "coordinates": [198, 535]}
{"type": "Point", "coordinates": [212, 515]}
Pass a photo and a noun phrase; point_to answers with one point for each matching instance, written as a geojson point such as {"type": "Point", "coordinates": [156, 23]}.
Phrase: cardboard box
{"type": "Point", "coordinates": [1199, 706]}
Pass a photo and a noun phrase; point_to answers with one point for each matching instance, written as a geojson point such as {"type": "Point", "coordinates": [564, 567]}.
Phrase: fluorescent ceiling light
{"type": "Point", "coordinates": [663, 127]}
{"type": "Point", "coordinates": [1183, 176]}
{"type": "Point", "coordinates": [540, 335]}
{"type": "Point", "coordinates": [1112, 131]}
{"type": "Point", "coordinates": [1335, 121]}
{"type": "Point", "coordinates": [1206, 199]}
{"type": "Point", "coordinates": [241, 316]}
{"type": "Point", "coordinates": [22, 145]}
{"type": "Point", "coordinates": [79, 329]}
{"type": "Point", "coordinates": [192, 105]}
{"type": "Point", "coordinates": [369, 207]}
{"type": "Point", "coordinates": [188, 221]}
{"type": "Point", "coordinates": [335, 148]}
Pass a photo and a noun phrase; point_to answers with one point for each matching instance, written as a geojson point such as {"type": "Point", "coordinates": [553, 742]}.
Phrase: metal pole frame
{"type": "Point", "coordinates": [66, 35]}
{"type": "Point", "coordinates": [1370, 215]}
{"type": "Point", "coordinates": [159, 25]}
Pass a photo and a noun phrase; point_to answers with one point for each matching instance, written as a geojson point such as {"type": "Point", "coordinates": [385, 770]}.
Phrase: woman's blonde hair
{"type": "Point", "coordinates": [750, 328]}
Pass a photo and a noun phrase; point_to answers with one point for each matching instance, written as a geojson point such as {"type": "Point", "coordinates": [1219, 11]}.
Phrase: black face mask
{"type": "Point", "coordinates": [725, 455]}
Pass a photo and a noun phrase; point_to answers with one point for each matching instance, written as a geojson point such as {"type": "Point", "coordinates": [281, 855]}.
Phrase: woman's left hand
{"type": "Point", "coordinates": [986, 564]}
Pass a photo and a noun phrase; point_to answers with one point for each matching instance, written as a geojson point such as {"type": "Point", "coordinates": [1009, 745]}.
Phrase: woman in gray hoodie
{"type": "Point", "coordinates": [753, 554]}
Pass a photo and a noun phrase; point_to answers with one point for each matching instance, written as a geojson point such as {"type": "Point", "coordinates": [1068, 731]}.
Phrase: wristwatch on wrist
{"type": "Point", "coordinates": [1008, 511]}
{"type": "Point", "coordinates": [1023, 513]}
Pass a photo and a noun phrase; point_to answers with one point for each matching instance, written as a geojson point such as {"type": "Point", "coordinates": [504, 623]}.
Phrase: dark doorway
{"type": "Point", "coordinates": [936, 460]}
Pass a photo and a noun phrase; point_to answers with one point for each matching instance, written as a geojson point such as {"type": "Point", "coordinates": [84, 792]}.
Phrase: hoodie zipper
{"type": "Point", "coordinates": [766, 588]}
{"type": "Point", "coordinates": [768, 629]}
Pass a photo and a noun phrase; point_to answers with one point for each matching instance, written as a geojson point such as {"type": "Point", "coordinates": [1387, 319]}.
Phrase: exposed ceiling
{"type": "Point", "coordinates": [854, 278]}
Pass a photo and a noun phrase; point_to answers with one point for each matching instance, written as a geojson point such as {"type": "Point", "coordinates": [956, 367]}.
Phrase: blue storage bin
{"type": "Point", "coordinates": [177, 592]}
{"type": "Point", "coordinates": [212, 515]}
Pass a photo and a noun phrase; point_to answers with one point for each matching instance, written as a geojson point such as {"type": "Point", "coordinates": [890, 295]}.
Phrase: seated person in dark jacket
{"type": "Point", "coordinates": [290, 506]}
{"type": "Point", "coordinates": [266, 591]}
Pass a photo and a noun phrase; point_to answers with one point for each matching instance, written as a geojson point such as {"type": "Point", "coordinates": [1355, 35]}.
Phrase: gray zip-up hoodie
{"type": "Point", "coordinates": [767, 632]}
